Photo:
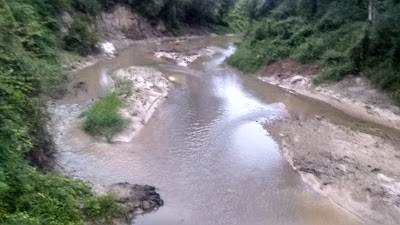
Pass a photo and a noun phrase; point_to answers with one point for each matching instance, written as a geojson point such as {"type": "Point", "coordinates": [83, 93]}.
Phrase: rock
{"type": "Point", "coordinates": [147, 205]}
{"type": "Point", "coordinates": [297, 79]}
{"type": "Point", "coordinates": [139, 211]}
{"type": "Point", "coordinates": [137, 199]}
{"type": "Point", "coordinates": [67, 21]}
{"type": "Point", "coordinates": [179, 58]}
{"type": "Point", "coordinates": [342, 167]}
{"type": "Point", "coordinates": [79, 87]}
{"type": "Point", "coordinates": [108, 48]}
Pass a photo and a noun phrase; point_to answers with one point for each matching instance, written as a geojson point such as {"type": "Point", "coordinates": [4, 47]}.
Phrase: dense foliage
{"type": "Point", "coordinates": [343, 37]}
{"type": "Point", "coordinates": [29, 67]}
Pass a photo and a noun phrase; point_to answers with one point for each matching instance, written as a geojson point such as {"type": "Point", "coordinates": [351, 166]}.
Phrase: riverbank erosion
{"type": "Point", "coordinates": [356, 166]}
{"type": "Point", "coordinates": [358, 171]}
{"type": "Point", "coordinates": [354, 95]}
{"type": "Point", "coordinates": [121, 27]}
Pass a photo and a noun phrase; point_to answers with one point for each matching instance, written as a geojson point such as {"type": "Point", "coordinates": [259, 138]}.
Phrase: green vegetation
{"type": "Point", "coordinates": [342, 37]}
{"type": "Point", "coordinates": [103, 118]}
{"type": "Point", "coordinates": [29, 68]}
{"type": "Point", "coordinates": [82, 37]}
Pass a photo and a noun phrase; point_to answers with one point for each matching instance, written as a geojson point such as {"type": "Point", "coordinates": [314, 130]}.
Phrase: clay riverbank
{"type": "Point", "coordinates": [354, 95]}
{"type": "Point", "coordinates": [356, 166]}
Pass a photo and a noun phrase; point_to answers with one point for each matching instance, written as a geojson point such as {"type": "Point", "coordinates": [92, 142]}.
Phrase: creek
{"type": "Point", "coordinates": [205, 148]}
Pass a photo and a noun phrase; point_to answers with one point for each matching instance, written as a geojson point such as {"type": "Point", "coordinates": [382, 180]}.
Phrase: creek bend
{"type": "Point", "coordinates": [205, 148]}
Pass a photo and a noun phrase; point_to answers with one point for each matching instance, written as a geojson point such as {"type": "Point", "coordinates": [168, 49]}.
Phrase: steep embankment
{"type": "Point", "coordinates": [122, 26]}
{"type": "Point", "coordinates": [121, 22]}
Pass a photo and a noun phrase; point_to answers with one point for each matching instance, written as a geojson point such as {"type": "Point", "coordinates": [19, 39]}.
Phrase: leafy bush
{"type": "Point", "coordinates": [82, 36]}
{"type": "Point", "coordinates": [91, 7]}
{"type": "Point", "coordinates": [104, 208]}
{"type": "Point", "coordinates": [310, 51]}
{"type": "Point", "coordinates": [29, 68]}
{"type": "Point", "coordinates": [386, 77]}
{"type": "Point", "coordinates": [340, 13]}
{"type": "Point", "coordinates": [333, 57]}
{"type": "Point", "coordinates": [103, 118]}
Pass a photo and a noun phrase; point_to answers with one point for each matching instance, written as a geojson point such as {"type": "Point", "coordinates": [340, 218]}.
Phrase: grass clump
{"type": "Point", "coordinates": [104, 118]}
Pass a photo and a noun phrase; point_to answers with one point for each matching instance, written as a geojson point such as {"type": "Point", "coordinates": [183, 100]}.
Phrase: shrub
{"type": "Point", "coordinates": [104, 208]}
{"type": "Point", "coordinates": [337, 72]}
{"type": "Point", "coordinates": [104, 118]}
{"type": "Point", "coordinates": [91, 7]}
{"type": "Point", "coordinates": [309, 51]}
{"type": "Point", "coordinates": [82, 36]}
{"type": "Point", "coordinates": [333, 57]}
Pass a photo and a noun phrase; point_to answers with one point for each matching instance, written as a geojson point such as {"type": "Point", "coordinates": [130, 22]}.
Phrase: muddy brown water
{"type": "Point", "coordinates": [205, 148]}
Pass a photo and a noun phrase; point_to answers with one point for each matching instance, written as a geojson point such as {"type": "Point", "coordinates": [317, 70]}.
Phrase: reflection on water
{"type": "Point", "coordinates": [205, 150]}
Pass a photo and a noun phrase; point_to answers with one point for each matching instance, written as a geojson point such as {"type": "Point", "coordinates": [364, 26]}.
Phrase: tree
{"type": "Point", "coordinates": [308, 8]}
{"type": "Point", "coordinates": [372, 11]}
{"type": "Point", "coordinates": [225, 6]}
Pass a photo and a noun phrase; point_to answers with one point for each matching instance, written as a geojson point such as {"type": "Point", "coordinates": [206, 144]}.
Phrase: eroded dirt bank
{"type": "Point", "coordinates": [359, 171]}
{"type": "Point", "coordinates": [121, 27]}
{"type": "Point", "coordinates": [354, 94]}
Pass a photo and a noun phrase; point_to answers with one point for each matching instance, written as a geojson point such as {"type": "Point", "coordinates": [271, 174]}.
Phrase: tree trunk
{"type": "Point", "coordinates": [372, 11]}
